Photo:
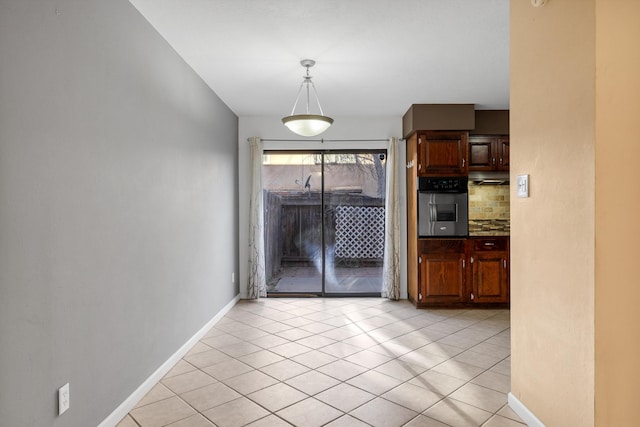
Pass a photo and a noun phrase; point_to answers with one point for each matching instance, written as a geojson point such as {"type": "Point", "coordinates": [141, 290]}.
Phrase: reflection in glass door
{"type": "Point", "coordinates": [324, 222]}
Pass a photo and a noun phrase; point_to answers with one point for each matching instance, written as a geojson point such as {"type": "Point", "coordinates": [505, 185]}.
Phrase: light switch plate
{"type": "Point", "coordinates": [522, 185]}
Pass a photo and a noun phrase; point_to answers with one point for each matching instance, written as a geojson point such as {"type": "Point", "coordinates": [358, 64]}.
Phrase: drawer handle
{"type": "Point", "coordinates": [489, 244]}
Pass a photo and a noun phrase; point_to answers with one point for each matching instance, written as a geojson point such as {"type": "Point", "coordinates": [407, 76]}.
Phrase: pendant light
{"type": "Point", "coordinates": [307, 124]}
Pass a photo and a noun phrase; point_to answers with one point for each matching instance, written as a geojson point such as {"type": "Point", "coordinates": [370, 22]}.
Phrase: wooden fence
{"type": "Point", "coordinates": [293, 227]}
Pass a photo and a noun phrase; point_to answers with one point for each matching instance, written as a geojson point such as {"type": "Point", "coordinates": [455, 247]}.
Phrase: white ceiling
{"type": "Point", "coordinates": [374, 57]}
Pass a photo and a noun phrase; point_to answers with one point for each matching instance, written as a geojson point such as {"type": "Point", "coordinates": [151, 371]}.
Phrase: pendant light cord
{"type": "Point", "coordinates": [295, 104]}
{"type": "Point", "coordinates": [307, 81]}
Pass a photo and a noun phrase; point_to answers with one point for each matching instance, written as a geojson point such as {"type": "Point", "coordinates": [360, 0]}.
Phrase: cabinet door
{"type": "Point", "coordinates": [503, 149]}
{"type": "Point", "coordinates": [442, 153]}
{"type": "Point", "coordinates": [490, 277]}
{"type": "Point", "coordinates": [482, 153]}
{"type": "Point", "coordinates": [442, 278]}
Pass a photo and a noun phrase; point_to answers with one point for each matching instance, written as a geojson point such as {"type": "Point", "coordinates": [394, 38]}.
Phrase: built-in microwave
{"type": "Point", "coordinates": [443, 207]}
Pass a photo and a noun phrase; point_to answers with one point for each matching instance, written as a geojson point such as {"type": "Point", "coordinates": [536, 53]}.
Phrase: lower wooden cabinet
{"type": "Point", "coordinates": [462, 272]}
{"type": "Point", "coordinates": [442, 271]}
{"type": "Point", "coordinates": [489, 259]}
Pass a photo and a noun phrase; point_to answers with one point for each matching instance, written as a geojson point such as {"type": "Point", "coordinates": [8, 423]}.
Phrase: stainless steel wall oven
{"type": "Point", "coordinates": [443, 207]}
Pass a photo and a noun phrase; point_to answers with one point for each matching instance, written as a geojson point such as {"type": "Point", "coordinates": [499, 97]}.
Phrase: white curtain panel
{"type": "Point", "coordinates": [257, 282]}
{"type": "Point", "coordinates": [391, 261]}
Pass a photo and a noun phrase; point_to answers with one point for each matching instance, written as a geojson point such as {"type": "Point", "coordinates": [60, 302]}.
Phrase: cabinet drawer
{"type": "Point", "coordinates": [442, 246]}
{"type": "Point", "coordinates": [488, 244]}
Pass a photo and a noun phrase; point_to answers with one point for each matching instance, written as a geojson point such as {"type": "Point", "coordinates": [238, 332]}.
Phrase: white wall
{"type": "Point", "coordinates": [350, 128]}
{"type": "Point", "coordinates": [118, 207]}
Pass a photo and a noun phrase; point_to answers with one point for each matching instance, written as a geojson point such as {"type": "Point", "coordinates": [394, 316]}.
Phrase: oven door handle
{"type": "Point", "coordinates": [433, 212]}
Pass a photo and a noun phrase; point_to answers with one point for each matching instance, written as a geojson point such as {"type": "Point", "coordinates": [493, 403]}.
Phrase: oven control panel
{"type": "Point", "coordinates": [443, 185]}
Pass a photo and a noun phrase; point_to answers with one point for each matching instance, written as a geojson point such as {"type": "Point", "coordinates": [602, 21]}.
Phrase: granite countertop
{"type": "Point", "coordinates": [489, 227]}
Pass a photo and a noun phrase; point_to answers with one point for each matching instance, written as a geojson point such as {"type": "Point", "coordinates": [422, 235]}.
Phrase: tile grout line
{"type": "Point", "coordinates": [338, 313]}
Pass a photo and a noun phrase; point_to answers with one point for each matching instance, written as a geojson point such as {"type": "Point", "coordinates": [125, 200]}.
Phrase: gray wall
{"type": "Point", "coordinates": [118, 206]}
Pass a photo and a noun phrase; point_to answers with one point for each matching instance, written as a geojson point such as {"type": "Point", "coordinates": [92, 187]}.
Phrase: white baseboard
{"type": "Point", "coordinates": [524, 412]}
{"type": "Point", "coordinates": [130, 402]}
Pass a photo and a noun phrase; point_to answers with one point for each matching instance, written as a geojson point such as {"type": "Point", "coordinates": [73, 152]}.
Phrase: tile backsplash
{"type": "Point", "coordinates": [488, 201]}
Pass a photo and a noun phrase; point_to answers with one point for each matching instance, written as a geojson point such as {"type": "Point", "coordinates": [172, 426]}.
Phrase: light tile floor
{"type": "Point", "coordinates": [339, 362]}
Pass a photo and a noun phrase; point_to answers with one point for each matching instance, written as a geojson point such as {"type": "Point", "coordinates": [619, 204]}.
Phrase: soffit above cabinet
{"type": "Point", "coordinates": [438, 117]}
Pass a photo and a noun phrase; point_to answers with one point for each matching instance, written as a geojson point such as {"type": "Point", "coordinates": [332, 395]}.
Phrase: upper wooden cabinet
{"type": "Point", "coordinates": [503, 146]}
{"type": "Point", "coordinates": [488, 153]}
{"type": "Point", "coordinates": [442, 153]}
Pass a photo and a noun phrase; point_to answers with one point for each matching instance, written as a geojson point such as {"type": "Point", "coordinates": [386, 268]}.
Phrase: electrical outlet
{"type": "Point", "coordinates": [63, 399]}
{"type": "Point", "coordinates": [233, 277]}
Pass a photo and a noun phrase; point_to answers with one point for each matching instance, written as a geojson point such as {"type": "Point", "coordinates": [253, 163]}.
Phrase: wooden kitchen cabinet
{"type": "Point", "coordinates": [503, 150]}
{"type": "Point", "coordinates": [442, 153]}
{"type": "Point", "coordinates": [412, 216]}
{"type": "Point", "coordinates": [442, 272]}
{"type": "Point", "coordinates": [461, 272]}
{"type": "Point", "coordinates": [452, 272]}
{"type": "Point", "coordinates": [433, 153]}
{"type": "Point", "coordinates": [489, 260]}
{"type": "Point", "coordinates": [488, 153]}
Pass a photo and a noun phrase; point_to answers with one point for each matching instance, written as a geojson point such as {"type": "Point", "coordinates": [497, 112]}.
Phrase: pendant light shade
{"type": "Point", "coordinates": [307, 124]}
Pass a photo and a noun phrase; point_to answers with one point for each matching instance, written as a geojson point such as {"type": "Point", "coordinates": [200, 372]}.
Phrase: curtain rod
{"type": "Point", "coordinates": [322, 140]}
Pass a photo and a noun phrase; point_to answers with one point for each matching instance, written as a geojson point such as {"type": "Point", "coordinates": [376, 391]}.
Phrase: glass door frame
{"type": "Point", "coordinates": [323, 228]}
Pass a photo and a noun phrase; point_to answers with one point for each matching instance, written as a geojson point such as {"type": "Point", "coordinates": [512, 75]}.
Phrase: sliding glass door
{"type": "Point", "coordinates": [324, 222]}
{"type": "Point", "coordinates": [292, 184]}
